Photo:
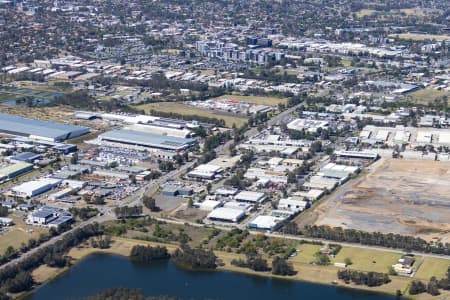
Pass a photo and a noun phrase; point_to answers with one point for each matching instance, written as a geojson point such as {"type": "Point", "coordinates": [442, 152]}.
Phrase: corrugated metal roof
{"type": "Point", "coordinates": [6, 171]}
{"type": "Point", "coordinates": [147, 139]}
{"type": "Point", "coordinates": [11, 123]}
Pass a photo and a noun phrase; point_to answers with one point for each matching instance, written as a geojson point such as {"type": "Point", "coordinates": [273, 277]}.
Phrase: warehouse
{"type": "Point", "coordinates": [266, 175]}
{"type": "Point", "coordinates": [145, 141]}
{"type": "Point", "coordinates": [28, 157]}
{"type": "Point", "coordinates": [208, 205]}
{"type": "Point", "coordinates": [294, 204]}
{"type": "Point", "coordinates": [49, 216]}
{"type": "Point", "coordinates": [205, 171]}
{"type": "Point", "coordinates": [35, 187]}
{"type": "Point", "coordinates": [266, 223]}
{"type": "Point", "coordinates": [39, 130]}
{"type": "Point", "coordinates": [307, 125]}
{"type": "Point", "coordinates": [15, 170]}
{"type": "Point", "coordinates": [250, 197]}
{"type": "Point", "coordinates": [311, 194]}
{"type": "Point", "coordinates": [223, 214]}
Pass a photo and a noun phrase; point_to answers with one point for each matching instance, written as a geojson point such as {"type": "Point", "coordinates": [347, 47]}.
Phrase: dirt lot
{"type": "Point", "coordinates": [183, 109]}
{"type": "Point", "coordinates": [399, 196]}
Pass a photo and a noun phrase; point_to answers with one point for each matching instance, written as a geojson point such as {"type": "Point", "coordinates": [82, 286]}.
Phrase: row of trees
{"type": "Point", "coordinates": [280, 266]}
{"type": "Point", "coordinates": [84, 213]}
{"type": "Point", "coordinates": [146, 254]}
{"type": "Point", "coordinates": [194, 258]}
{"type": "Point", "coordinates": [369, 279]}
{"type": "Point", "coordinates": [124, 293]}
{"type": "Point", "coordinates": [432, 287]}
{"type": "Point", "coordinates": [389, 240]}
{"type": "Point", "coordinates": [128, 211]}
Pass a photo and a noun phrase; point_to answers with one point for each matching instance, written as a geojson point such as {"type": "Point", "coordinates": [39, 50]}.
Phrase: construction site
{"type": "Point", "coordinates": [395, 196]}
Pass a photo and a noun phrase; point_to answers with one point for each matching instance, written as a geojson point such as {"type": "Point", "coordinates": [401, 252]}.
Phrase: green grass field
{"type": "Point", "coordinates": [305, 254]}
{"type": "Point", "coordinates": [263, 100]}
{"type": "Point", "coordinates": [183, 109]}
{"type": "Point", "coordinates": [367, 260]}
{"type": "Point", "coordinates": [432, 267]}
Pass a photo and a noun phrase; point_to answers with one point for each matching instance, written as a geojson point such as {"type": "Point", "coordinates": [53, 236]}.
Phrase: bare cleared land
{"type": "Point", "coordinates": [184, 109]}
{"type": "Point", "coordinates": [420, 37]}
{"type": "Point", "coordinates": [426, 96]}
{"type": "Point", "coordinates": [398, 196]}
{"type": "Point", "coordinates": [260, 100]}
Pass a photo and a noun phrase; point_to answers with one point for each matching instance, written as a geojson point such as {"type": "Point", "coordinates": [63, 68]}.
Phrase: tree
{"type": "Point", "coordinates": [3, 211]}
{"type": "Point", "coordinates": [433, 287]}
{"type": "Point", "coordinates": [194, 258]}
{"type": "Point", "coordinates": [281, 267]}
{"type": "Point", "coordinates": [417, 287]}
{"type": "Point", "coordinates": [23, 281]}
{"type": "Point", "coordinates": [348, 261]}
{"type": "Point", "coordinates": [74, 158]}
{"type": "Point", "coordinates": [190, 203]}
{"type": "Point", "coordinates": [150, 203]}
{"type": "Point", "coordinates": [391, 271]}
{"type": "Point", "coordinates": [146, 254]}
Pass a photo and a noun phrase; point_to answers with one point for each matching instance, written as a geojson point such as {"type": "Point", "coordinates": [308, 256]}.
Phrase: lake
{"type": "Point", "coordinates": [100, 271]}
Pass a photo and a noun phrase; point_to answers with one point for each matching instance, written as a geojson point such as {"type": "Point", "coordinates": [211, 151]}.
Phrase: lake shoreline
{"type": "Point", "coordinates": [81, 253]}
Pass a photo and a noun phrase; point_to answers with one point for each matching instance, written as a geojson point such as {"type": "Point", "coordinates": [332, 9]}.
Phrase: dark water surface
{"type": "Point", "coordinates": [100, 271]}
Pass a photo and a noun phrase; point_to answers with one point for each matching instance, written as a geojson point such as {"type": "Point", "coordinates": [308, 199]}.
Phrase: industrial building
{"type": "Point", "coordinates": [205, 171]}
{"type": "Point", "coordinates": [224, 214]}
{"type": "Point", "coordinates": [34, 188]}
{"type": "Point", "coordinates": [401, 135]}
{"type": "Point", "coordinates": [49, 216]}
{"type": "Point", "coordinates": [264, 175]}
{"type": "Point", "coordinates": [266, 222]}
{"type": "Point", "coordinates": [144, 140]}
{"type": "Point", "coordinates": [311, 194]}
{"type": "Point", "coordinates": [15, 170]}
{"type": "Point", "coordinates": [294, 204]}
{"type": "Point", "coordinates": [307, 125]}
{"type": "Point", "coordinates": [207, 205]}
{"type": "Point", "coordinates": [28, 157]}
{"type": "Point", "coordinates": [250, 197]}
{"type": "Point", "coordinates": [356, 154]}
{"type": "Point", "coordinates": [39, 130]}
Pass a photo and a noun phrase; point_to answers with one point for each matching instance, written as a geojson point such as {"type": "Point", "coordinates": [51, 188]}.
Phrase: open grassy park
{"type": "Point", "coordinates": [432, 267]}
{"type": "Point", "coordinates": [184, 109]}
{"type": "Point", "coordinates": [366, 259]}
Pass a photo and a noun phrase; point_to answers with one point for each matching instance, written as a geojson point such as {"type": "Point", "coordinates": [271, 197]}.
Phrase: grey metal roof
{"type": "Point", "coordinates": [43, 213]}
{"type": "Point", "coordinates": [147, 139]}
{"type": "Point", "coordinates": [24, 126]}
